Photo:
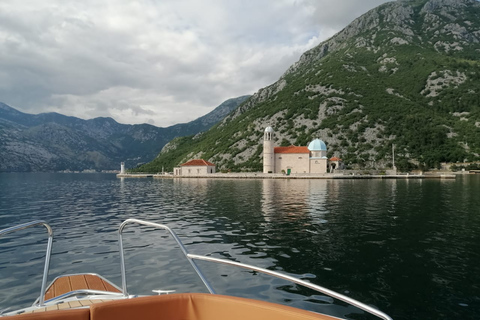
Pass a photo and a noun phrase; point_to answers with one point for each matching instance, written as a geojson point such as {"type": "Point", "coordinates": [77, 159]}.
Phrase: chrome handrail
{"type": "Point", "coordinates": [83, 292]}
{"type": "Point", "coordinates": [191, 257]}
{"type": "Point", "coordinates": [175, 237]}
{"type": "Point", "coordinates": [47, 254]}
{"type": "Point", "coordinates": [304, 283]}
{"type": "Point", "coordinates": [188, 256]}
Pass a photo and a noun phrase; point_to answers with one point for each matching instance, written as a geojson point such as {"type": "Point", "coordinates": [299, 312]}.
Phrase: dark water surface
{"type": "Point", "coordinates": [409, 247]}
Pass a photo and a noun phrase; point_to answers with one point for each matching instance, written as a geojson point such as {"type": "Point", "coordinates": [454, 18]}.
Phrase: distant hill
{"type": "Point", "coordinates": [405, 73]}
{"type": "Point", "coordinates": [53, 142]}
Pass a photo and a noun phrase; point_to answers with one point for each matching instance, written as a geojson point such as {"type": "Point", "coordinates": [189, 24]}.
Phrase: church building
{"type": "Point", "coordinates": [293, 159]}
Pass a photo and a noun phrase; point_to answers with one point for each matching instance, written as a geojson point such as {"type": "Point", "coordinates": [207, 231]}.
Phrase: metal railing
{"type": "Point", "coordinates": [317, 288]}
{"type": "Point", "coordinates": [175, 237]}
{"type": "Point", "coordinates": [83, 292]}
{"type": "Point", "coordinates": [19, 227]}
{"type": "Point", "coordinates": [191, 257]}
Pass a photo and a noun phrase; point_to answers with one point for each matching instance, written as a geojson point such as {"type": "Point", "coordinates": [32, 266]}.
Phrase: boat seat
{"type": "Point", "coordinates": [197, 306]}
{"type": "Point", "coordinates": [70, 314]}
{"type": "Point", "coordinates": [185, 306]}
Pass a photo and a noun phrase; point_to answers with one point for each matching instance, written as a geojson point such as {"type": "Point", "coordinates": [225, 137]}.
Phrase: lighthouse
{"type": "Point", "coordinates": [268, 151]}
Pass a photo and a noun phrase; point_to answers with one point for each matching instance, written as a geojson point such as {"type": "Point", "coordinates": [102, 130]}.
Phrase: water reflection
{"type": "Point", "coordinates": [410, 247]}
{"type": "Point", "coordinates": [291, 195]}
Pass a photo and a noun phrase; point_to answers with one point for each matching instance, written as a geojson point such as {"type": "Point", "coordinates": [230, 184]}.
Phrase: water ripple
{"type": "Point", "coordinates": [399, 245]}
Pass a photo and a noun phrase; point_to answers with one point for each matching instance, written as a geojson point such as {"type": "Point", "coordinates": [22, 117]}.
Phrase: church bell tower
{"type": "Point", "coordinates": [268, 152]}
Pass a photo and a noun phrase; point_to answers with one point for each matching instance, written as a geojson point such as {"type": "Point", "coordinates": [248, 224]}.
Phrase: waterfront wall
{"type": "Point", "coordinates": [258, 175]}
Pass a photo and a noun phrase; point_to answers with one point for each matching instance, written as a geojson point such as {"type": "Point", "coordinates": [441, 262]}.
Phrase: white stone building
{"type": "Point", "coordinates": [293, 159]}
{"type": "Point", "coordinates": [196, 167]}
{"type": "Point", "coordinates": [335, 163]}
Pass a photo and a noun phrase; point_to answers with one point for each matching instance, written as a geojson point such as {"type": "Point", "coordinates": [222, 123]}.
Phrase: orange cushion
{"type": "Point", "coordinates": [72, 314]}
{"type": "Point", "coordinates": [197, 306]}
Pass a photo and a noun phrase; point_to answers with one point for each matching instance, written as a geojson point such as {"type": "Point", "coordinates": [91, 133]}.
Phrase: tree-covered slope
{"type": "Point", "coordinates": [406, 73]}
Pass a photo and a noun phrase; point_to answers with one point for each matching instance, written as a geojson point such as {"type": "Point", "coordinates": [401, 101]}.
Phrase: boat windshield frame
{"type": "Point", "coordinates": [40, 302]}
{"type": "Point", "coordinates": [192, 257]}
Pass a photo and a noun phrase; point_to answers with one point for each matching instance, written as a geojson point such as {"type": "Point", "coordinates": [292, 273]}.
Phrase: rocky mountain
{"type": "Point", "coordinates": [406, 73]}
{"type": "Point", "coordinates": [207, 121]}
{"type": "Point", "coordinates": [53, 142]}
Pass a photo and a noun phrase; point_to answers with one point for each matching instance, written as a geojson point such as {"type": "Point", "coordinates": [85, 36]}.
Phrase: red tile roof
{"type": "Point", "coordinates": [197, 162]}
{"type": "Point", "coordinates": [291, 149]}
{"type": "Point", "coordinates": [335, 159]}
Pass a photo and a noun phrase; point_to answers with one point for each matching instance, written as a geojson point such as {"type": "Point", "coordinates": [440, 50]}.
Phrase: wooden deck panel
{"type": "Point", "coordinates": [94, 283]}
{"type": "Point", "coordinates": [62, 285]}
{"type": "Point", "coordinates": [109, 287]}
{"type": "Point", "coordinates": [74, 304]}
{"type": "Point", "coordinates": [50, 292]}
{"type": "Point", "coordinates": [68, 305]}
{"type": "Point", "coordinates": [66, 284]}
{"type": "Point", "coordinates": [51, 308]}
{"type": "Point", "coordinates": [86, 303]}
{"type": "Point", "coordinates": [78, 282]}
{"type": "Point", "coordinates": [62, 306]}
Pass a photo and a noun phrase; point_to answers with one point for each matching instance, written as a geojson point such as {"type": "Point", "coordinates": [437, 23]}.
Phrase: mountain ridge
{"type": "Point", "coordinates": [405, 73]}
{"type": "Point", "coordinates": [55, 142]}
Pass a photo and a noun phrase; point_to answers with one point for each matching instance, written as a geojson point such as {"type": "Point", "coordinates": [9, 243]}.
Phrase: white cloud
{"type": "Point", "coordinates": [153, 61]}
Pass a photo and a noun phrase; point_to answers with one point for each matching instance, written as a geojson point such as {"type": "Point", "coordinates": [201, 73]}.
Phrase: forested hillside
{"type": "Point", "coordinates": [406, 73]}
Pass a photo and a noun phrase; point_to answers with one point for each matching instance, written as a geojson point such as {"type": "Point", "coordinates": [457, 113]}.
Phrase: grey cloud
{"type": "Point", "coordinates": [339, 13]}
{"type": "Point", "coordinates": [162, 61]}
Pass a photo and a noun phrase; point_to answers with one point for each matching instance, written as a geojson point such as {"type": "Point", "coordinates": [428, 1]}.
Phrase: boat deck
{"type": "Point", "coordinates": [68, 305]}
{"type": "Point", "coordinates": [70, 283]}
{"type": "Point", "coordinates": [80, 291]}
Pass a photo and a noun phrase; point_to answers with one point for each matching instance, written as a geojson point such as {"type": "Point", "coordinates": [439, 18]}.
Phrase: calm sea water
{"type": "Point", "coordinates": [409, 247]}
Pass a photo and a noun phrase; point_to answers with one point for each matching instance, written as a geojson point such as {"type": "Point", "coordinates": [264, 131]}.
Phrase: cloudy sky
{"type": "Point", "coordinates": [154, 61]}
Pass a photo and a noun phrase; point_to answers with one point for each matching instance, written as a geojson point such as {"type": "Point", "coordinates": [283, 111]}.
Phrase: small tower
{"type": "Point", "coordinates": [268, 152]}
{"type": "Point", "coordinates": [122, 168]}
{"type": "Point", "coordinates": [318, 149]}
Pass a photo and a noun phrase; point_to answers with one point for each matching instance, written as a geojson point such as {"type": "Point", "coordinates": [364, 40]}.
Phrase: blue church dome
{"type": "Point", "coordinates": [317, 145]}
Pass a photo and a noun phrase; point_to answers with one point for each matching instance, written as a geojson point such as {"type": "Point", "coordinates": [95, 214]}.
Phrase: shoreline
{"type": "Point", "coordinates": [254, 175]}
